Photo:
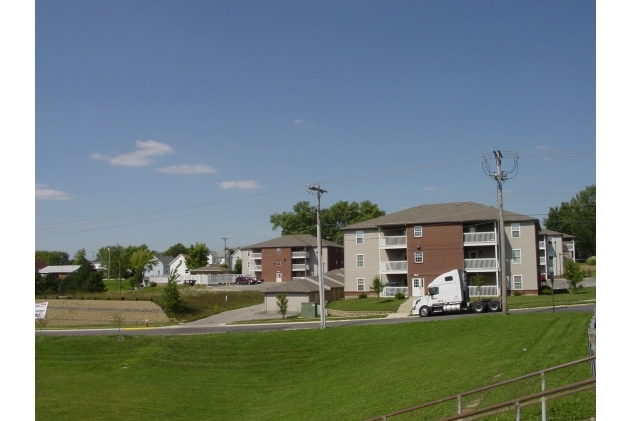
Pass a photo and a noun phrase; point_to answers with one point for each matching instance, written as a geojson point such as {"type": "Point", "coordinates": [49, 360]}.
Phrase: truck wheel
{"type": "Point", "coordinates": [424, 311]}
{"type": "Point", "coordinates": [494, 306]}
{"type": "Point", "coordinates": [479, 307]}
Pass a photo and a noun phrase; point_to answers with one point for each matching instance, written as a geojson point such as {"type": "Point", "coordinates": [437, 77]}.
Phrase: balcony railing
{"type": "Point", "coordinates": [485, 291]}
{"type": "Point", "coordinates": [393, 291]}
{"type": "Point", "coordinates": [394, 267]}
{"type": "Point", "coordinates": [568, 247]}
{"type": "Point", "coordinates": [299, 267]}
{"type": "Point", "coordinates": [480, 264]}
{"type": "Point", "coordinates": [479, 238]}
{"type": "Point", "coordinates": [300, 255]}
{"type": "Point", "coordinates": [256, 255]}
{"type": "Point", "coordinates": [399, 241]}
{"type": "Point", "coordinates": [542, 260]}
{"type": "Point", "coordinates": [256, 268]}
{"type": "Point", "coordinates": [542, 245]}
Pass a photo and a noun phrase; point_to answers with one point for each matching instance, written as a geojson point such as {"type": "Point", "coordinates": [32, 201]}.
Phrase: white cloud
{"type": "Point", "coordinates": [241, 184]}
{"type": "Point", "coordinates": [298, 121]}
{"type": "Point", "coordinates": [142, 156]}
{"type": "Point", "coordinates": [44, 192]}
{"type": "Point", "coordinates": [188, 169]}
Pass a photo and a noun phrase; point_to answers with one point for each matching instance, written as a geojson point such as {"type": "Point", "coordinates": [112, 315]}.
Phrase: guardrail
{"type": "Point", "coordinates": [510, 405]}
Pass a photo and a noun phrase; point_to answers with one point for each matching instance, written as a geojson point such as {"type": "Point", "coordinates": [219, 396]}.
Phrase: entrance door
{"type": "Point", "coordinates": [417, 287]}
{"type": "Point", "coordinates": [279, 277]}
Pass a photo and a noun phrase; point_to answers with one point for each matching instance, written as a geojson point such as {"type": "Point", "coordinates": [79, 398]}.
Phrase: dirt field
{"type": "Point", "coordinates": [102, 312]}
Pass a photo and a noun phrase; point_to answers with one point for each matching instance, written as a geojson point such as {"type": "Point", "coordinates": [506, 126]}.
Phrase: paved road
{"type": "Point", "coordinates": [190, 329]}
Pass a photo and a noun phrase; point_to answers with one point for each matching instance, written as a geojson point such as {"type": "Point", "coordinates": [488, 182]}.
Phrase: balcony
{"type": "Point", "coordinates": [393, 242]}
{"type": "Point", "coordinates": [298, 267]}
{"type": "Point", "coordinates": [256, 256]}
{"type": "Point", "coordinates": [480, 265]}
{"type": "Point", "coordinates": [300, 255]}
{"type": "Point", "coordinates": [477, 238]}
{"type": "Point", "coordinates": [256, 268]}
{"type": "Point", "coordinates": [394, 267]}
{"type": "Point", "coordinates": [542, 260]}
{"type": "Point", "coordinates": [542, 245]}
{"type": "Point", "coordinates": [485, 291]}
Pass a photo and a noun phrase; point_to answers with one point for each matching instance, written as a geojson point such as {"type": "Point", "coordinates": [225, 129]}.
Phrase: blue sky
{"type": "Point", "coordinates": [161, 122]}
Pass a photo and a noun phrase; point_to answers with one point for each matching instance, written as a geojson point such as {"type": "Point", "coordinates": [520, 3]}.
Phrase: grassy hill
{"type": "Point", "coordinates": [341, 373]}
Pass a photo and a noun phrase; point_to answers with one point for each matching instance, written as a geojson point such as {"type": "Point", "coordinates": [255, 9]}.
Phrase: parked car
{"type": "Point", "coordinates": [256, 280]}
{"type": "Point", "coordinates": [243, 280]}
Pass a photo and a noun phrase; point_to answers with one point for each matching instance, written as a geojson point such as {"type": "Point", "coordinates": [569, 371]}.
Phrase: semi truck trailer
{"type": "Point", "coordinates": [449, 293]}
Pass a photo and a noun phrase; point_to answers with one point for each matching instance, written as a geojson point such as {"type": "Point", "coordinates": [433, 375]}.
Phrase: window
{"type": "Point", "coordinates": [418, 282]}
{"type": "Point", "coordinates": [418, 231]}
{"type": "Point", "coordinates": [449, 278]}
{"type": "Point", "coordinates": [277, 263]}
{"type": "Point", "coordinates": [359, 237]}
{"type": "Point", "coordinates": [550, 255]}
{"type": "Point", "coordinates": [360, 284]}
{"type": "Point", "coordinates": [514, 230]}
{"type": "Point", "coordinates": [418, 257]}
{"type": "Point", "coordinates": [517, 256]}
{"type": "Point", "coordinates": [278, 250]}
{"type": "Point", "coordinates": [517, 284]}
{"type": "Point", "coordinates": [360, 260]}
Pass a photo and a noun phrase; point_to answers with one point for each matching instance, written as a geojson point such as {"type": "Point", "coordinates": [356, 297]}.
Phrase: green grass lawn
{"type": "Point", "coordinates": [366, 304]}
{"type": "Point", "coordinates": [561, 297]}
{"type": "Point", "coordinates": [341, 373]}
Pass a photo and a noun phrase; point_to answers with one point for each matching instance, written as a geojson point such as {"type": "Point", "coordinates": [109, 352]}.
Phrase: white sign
{"type": "Point", "coordinates": [40, 310]}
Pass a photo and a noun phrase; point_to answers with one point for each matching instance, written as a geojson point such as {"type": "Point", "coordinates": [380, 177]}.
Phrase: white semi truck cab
{"type": "Point", "coordinates": [449, 293]}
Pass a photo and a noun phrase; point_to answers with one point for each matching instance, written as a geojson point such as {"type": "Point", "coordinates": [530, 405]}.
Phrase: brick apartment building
{"type": "Point", "coordinates": [410, 248]}
{"type": "Point", "coordinates": [290, 256]}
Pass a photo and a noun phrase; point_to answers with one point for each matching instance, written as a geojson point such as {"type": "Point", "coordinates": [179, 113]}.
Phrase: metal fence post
{"type": "Point", "coordinates": [459, 404]}
{"type": "Point", "coordinates": [544, 411]}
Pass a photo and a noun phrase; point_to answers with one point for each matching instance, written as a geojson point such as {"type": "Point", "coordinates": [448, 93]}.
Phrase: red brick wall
{"type": "Point", "coordinates": [443, 250]}
{"type": "Point", "coordinates": [334, 254]}
{"type": "Point", "coordinates": [269, 268]}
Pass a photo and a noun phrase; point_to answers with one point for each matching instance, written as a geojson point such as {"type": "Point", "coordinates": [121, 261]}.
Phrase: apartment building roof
{"type": "Point", "coordinates": [302, 240]}
{"type": "Point", "coordinates": [550, 232]}
{"type": "Point", "coordinates": [457, 212]}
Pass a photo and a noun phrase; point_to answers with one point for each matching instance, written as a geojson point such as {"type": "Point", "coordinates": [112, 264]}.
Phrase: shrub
{"type": "Point", "coordinates": [363, 296]}
{"type": "Point", "coordinates": [399, 296]}
{"type": "Point", "coordinates": [546, 290]}
{"type": "Point", "coordinates": [518, 293]}
{"type": "Point", "coordinates": [152, 284]}
{"type": "Point", "coordinates": [591, 261]}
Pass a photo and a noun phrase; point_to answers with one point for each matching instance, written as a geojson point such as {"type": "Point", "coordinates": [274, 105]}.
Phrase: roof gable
{"type": "Point", "coordinates": [301, 240]}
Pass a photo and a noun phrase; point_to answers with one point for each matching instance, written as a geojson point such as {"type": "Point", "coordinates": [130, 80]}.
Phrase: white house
{"type": "Point", "coordinates": [179, 265]}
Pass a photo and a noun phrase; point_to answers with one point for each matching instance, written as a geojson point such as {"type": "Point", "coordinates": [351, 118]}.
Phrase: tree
{"type": "Point", "coordinates": [301, 221]}
{"type": "Point", "coordinates": [377, 286]}
{"type": "Point", "coordinates": [171, 295]}
{"type": "Point", "coordinates": [53, 258]}
{"type": "Point", "coordinates": [281, 302]}
{"type": "Point", "coordinates": [197, 256]}
{"type": "Point", "coordinates": [79, 257]}
{"type": "Point", "coordinates": [573, 275]}
{"type": "Point", "coordinates": [175, 250]}
{"type": "Point", "coordinates": [84, 279]}
{"type": "Point", "coordinates": [578, 218]}
{"type": "Point", "coordinates": [237, 266]}
{"type": "Point", "coordinates": [141, 261]}
{"type": "Point", "coordinates": [478, 281]}
{"type": "Point", "coordinates": [342, 213]}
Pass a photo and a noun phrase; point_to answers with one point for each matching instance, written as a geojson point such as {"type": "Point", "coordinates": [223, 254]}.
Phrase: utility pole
{"type": "Point", "coordinates": [119, 274]}
{"type": "Point", "coordinates": [109, 259]}
{"type": "Point", "coordinates": [500, 177]}
{"type": "Point", "coordinates": [319, 192]}
{"type": "Point", "coordinates": [225, 253]}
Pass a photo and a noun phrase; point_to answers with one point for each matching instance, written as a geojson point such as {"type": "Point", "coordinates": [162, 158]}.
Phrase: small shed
{"type": "Point", "coordinates": [305, 290]}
